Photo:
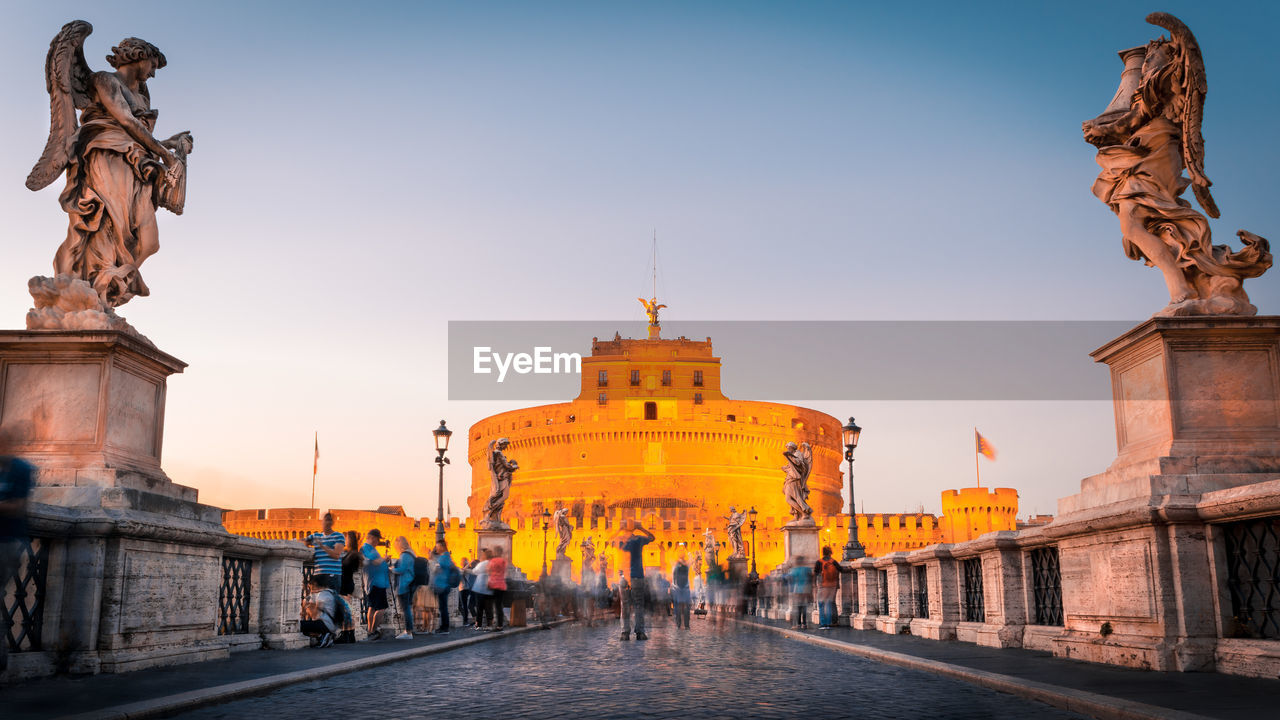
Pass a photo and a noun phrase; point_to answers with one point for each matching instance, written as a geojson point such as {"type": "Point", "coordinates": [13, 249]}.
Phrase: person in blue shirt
{"type": "Point", "coordinates": [404, 584]}
{"type": "Point", "coordinates": [16, 479]}
{"type": "Point", "coordinates": [801, 577]}
{"type": "Point", "coordinates": [327, 547]}
{"type": "Point", "coordinates": [442, 582]}
{"type": "Point", "coordinates": [379, 579]}
{"type": "Point", "coordinates": [633, 606]}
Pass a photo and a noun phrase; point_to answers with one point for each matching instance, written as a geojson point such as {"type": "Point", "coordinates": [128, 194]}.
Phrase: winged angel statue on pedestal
{"type": "Point", "coordinates": [1145, 138]}
{"type": "Point", "coordinates": [117, 174]}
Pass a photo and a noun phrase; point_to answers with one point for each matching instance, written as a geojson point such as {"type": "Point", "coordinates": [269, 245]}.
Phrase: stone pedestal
{"type": "Point", "coordinates": [800, 541]}
{"type": "Point", "coordinates": [496, 538]}
{"type": "Point", "coordinates": [738, 567]}
{"type": "Point", "coordinates": [1197, 408]}
{"type": "Point", "coordinates": [140, 574]}
{"type": "Point", "coordinates": [562, 569]}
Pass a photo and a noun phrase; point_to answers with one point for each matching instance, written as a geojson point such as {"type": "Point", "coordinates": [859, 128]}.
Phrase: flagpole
{"type": "Point", "coordinates": [315, 465]}
{"type": "Point", "coordinates": [977, 473]}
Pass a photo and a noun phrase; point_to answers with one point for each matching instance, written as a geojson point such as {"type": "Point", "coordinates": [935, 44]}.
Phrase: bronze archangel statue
{"type": "Point", "coordinates": [502, 470]}
{"type": "Point", "coordinates": [117, 172]}
{"type": "Point", "coordinates": [1146, 138]}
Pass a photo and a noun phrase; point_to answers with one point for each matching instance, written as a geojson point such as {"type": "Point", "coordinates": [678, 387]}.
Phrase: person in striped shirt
{"type": "Point", "coordinates": [328, 545]}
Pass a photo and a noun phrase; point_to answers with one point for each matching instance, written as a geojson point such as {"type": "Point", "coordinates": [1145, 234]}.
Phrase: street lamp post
{"type": "Point", "coordinates": [546, 523]}
{"type": "Point", "coordinates": [441, 435]}
{"type": "Point", "coordinates": [853, 549]}
{"type": "Point", "coordinates": [751, 514]}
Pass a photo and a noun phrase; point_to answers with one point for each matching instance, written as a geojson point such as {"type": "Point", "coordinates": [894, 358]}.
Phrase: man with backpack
{"type": "Point", "coordinates": [445, 580]}
{"type": "Point", "coordinates": [827, 570]}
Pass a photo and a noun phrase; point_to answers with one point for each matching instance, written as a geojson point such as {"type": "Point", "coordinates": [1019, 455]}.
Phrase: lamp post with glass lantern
{"type": "Point", "coordinates": [441, 435]}
{"type": "Point", "coordinates": [853, 549]}
{"type": "Point", "coordinates": [751, 515]}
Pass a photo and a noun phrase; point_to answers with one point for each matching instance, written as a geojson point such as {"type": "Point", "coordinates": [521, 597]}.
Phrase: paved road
{"type": "Point", "coordinates": [733, 672]}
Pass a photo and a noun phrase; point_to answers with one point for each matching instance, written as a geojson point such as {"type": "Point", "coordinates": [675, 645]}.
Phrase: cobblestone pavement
{"type": "Point", "coordinates": [732, 672]}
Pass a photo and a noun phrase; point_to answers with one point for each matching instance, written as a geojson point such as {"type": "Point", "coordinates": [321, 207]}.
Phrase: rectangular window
{"type": "Point", "coordinates": [603, 399]}
{"type": "Point", "coordinates": [697, 378]}
{"type": "Point", "coordinates": [1046, 585]}
{"type": "Point", "coordinates": [1253, 577]}
{"type": "Point", "coordinates": [973, 604]}
{"type": "Point", "coordinates": [666, 378]}
{"type": "Point", "coordinates": [635, 378]}
{"type": "Point", "coordinates": [697, 398]}
{"type": "Point", "coordinates": [603, 379]}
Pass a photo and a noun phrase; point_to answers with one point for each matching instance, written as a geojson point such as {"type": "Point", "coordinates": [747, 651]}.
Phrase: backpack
{"type": "Point", "coordinates": [455, 577]}
{"type": "Point", "coordinates": [830, 572]}
{"type": "Point", "coordinates": [421, 572]}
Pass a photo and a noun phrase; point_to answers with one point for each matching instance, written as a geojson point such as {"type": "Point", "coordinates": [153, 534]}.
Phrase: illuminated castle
{"type": "Point", "coordinates": [652, 437]}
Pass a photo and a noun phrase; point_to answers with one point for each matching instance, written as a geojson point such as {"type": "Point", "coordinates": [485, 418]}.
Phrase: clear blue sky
{"type": "Point", "coordinates": [364, 173]}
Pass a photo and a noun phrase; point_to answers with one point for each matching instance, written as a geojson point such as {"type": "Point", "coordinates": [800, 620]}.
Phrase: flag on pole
{"type": "Point", "coordinates": [984, 446]}
{"type": "Point", "coordinates": [315, 465]}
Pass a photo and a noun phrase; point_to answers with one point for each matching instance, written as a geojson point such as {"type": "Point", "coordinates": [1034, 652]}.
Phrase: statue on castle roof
{"type": "Point", "coordinates": [651, 308]}
{"type": "Point", "coordinates": [117, 173]}
{"type": "Point", "coordinates": [1146, 137]}
{"type": "Point", "coordinates": [795, 485]}
{"type": "Point", "coordinates": [502, 471]}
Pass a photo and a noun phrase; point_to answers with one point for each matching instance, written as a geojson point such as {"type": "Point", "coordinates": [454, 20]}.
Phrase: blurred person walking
{"type": "Point", "coordinates": [16, 479]}
{"type": "Point", "coordinates": [480, 589]}
{"type": "Point", "coordinates": [633, 606]}
{"type": "Point", "coordinates": [498, 585]}
{"type": "Point", "coordinates": [404, 569]}
{"type": "Point", "coordinates": [464, 590]}
{"type": "Point", "coordinates": [828, 573]}
{"type": "Point", "coordinates": [801, 577]}
{"type": "Point", "coordinates": [443, 581]}
{"type": "Point", "coordinates": [378, 577]}
{"type": "Point", "coordinates": [680, 594]}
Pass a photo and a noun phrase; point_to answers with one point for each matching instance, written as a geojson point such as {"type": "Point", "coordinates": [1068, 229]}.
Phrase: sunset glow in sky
{"type": "Point", "coordinates": [364, 173]}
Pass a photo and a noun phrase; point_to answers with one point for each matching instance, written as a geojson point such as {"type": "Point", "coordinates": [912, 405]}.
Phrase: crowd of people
{"type": "Point", "coordinates": [350, 574]}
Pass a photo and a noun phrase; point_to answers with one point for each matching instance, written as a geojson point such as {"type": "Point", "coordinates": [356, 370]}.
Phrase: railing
{"type": "Point", "coordinates": [884, 592]}
{"type": "Point", "coordinates": [1046, 586]}
{"type": "Point", "coordinates": [972, 602]}
{"type": "Point", "coordinates": [234, 596]}
{"type": "Point", "coordinates": [22, 596]}
{"type": "Point", "coordinates": [922, 591]}
{"type": "Point", "coordinates": [1253, 576]}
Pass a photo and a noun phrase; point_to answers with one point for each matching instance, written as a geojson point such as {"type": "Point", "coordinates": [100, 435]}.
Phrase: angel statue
{"type": "Point", "coordinates": [564, 529]}
{"type": "Point", "coordinates": [796, 484]}
{"type": "Point", "coordinates": [1145, 138]}
{"type": "Point", "coordinates": [734, 530]}
{"type": "Point", "coordinates": [709, 546]}
{"type": "Point", "coordinates": [588, 545]}
{"type": "Point", "coordinates": [651, 308]}
{"type": "Point", "coordinates": [501, 469]}
{"type": "Point", "coordinates": [117, 171]}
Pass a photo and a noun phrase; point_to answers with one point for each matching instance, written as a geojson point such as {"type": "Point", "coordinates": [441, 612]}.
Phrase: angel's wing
{"type": "Point", "coordinates": [1191, 109]}
{"type": "Point", "coordinates": [67, 78]}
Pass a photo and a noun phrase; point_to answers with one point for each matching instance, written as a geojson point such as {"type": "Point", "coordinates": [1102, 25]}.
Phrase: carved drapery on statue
{"type": "Point", "coordinates": [733, 530]}
{"type": "Point", "coordinates": [1146, 137]}
{"type": "Point", "coordinates": [564, 530]}
{"type": "Point", "coordinates": [588, 553]}
{"type": "Point", "coordinates": [709, 547]}
{"type": "Point", "coordinates": [117, 174]}
{"type": "Point", "coordinates": [502, 471]}
{"type": "Point", "coordinates": [795, 485]}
